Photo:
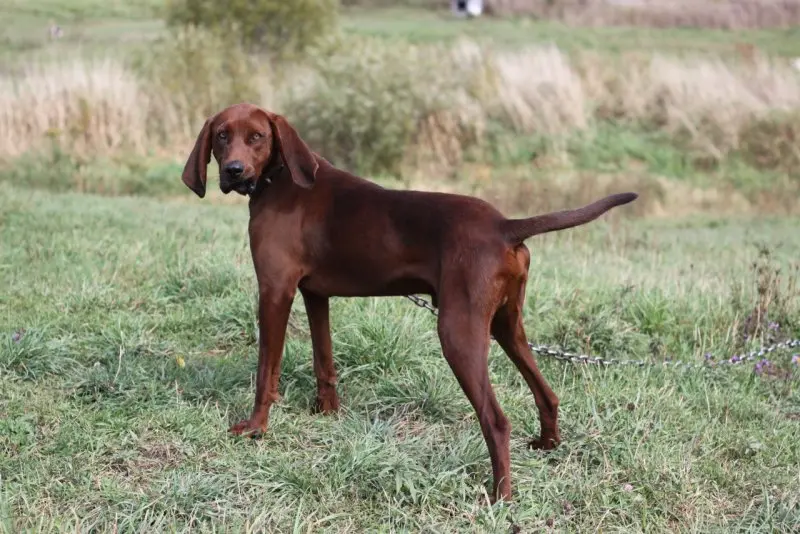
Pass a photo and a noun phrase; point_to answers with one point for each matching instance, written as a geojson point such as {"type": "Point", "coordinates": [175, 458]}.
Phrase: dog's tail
{"type": "Point", "coordinates": [518, 230]}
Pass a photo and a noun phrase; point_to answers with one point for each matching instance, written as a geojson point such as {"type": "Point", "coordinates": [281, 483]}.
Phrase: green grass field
{"type": "Point", "coordinates": [134, 351]}
{"type": "Point", "coordinates": [127, 336]}
{"type": "Point", "coordinates": [434, 26]}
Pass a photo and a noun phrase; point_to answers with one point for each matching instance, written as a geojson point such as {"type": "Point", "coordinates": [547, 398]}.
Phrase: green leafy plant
{"type": "Point", "coordinates": [370, 106]}
{"type": "Point", "coordinates": [195, 72]}
{"type": "Point", "coordinates": [282, 29]}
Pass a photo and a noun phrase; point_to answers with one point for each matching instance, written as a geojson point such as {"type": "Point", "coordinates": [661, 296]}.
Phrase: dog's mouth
{"type": "Point", "coordinates": [244, 187]}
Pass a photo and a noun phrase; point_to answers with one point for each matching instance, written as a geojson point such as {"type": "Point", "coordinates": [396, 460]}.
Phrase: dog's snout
{"type": "Point", "coordinates": [234, 168]}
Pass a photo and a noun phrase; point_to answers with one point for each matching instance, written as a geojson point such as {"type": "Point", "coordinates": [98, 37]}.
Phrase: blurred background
{"type": "Point", "coordinates": [695, 103]}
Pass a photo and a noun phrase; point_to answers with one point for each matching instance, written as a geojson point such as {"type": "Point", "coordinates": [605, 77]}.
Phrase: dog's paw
{"type": "Point", "coordinates": [326, 405]}
{"type": "Point", "coordinates": [248, 428]}
{"type": "Point", "coordinates": [544, 443]}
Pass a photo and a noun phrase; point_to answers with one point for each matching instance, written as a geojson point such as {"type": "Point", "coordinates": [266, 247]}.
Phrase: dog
{"type": "Point", "coordinates": [329, 233]}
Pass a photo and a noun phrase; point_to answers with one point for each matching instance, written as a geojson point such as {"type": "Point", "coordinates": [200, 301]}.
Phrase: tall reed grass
{"type": "Point", "coordinates": [377, 106]}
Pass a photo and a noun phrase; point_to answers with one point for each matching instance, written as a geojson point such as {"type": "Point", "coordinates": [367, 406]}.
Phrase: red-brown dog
{"type": "Point", "coordinates": [328, 233]}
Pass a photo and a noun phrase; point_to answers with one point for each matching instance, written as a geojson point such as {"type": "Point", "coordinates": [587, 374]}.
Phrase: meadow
{"type": "Point", "coordinates": [127, 335]}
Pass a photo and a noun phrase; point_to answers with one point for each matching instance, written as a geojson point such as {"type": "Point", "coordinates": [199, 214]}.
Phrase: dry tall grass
{"type": "Point", "coordinates": [708, 102]}
{"type": "Point", "coordinates": [415, 97]}
{"type": "Point", "coordinates": [91, 106]}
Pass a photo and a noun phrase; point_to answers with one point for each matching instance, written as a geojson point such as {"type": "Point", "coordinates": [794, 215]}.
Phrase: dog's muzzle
{"type": "Point", "coordinates": [233, 179]}
{"type": "Point", "coordinates": [243, 187]}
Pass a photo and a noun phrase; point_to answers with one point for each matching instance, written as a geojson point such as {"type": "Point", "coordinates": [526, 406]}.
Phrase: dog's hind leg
{"type": "Point", "coordinates": [508, 330]}
{"type": "Point", "coordinates": [464, 335]}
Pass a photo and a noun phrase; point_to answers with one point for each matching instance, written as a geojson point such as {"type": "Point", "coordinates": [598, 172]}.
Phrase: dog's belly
{"type": "Point", "coordinates": [358, 282]}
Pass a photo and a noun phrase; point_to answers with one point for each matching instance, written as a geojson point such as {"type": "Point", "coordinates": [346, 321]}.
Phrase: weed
{"type": "Point", "coordinates": [774, 296]}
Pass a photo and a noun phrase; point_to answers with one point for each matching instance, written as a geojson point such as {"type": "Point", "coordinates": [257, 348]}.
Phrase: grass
{"type": "Point", "coordinates": [134, 350]}
{"type": "Point", "coordinates": [78, 10]}
{"type": "Point", "coordinates": [422, 26]}
{"type": "Point", "coordinates": [91, 27]}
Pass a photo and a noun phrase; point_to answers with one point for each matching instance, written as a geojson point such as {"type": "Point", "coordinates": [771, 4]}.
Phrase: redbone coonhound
{"type": "Point", "coordinates": [329, 233]}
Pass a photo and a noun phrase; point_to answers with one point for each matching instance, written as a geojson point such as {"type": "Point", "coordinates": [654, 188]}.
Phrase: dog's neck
{"type": "Point", "coordinates": [271, 172]}
{"type": "Point", "coordinates": [278, 180]}
{"type": "Point", "coordinates": [274, 188]}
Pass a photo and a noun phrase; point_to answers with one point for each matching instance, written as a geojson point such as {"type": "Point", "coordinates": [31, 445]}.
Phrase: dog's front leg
{"type": "Point", "coordinates": [273, 315]}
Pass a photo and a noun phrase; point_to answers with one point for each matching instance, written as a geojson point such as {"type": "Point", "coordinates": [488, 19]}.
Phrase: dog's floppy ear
{"type": "Point", "coordinates": [296, 155]}
{"type": "Point", "coordinates": [194, 173]}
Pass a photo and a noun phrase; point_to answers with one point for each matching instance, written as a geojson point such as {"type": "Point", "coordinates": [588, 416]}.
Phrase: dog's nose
{"type": "Point", "coordinates": [234, 168]}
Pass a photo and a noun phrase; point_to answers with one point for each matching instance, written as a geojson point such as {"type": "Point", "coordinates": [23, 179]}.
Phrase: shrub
{"type": "Point", "coordinates": [370, 105]}
{"type": "Point", "coordinates": [192, 74]}
{"type": "Point", "coordinates": [282, 29]}
{"type": "Point", "coordinates": [773, 143]}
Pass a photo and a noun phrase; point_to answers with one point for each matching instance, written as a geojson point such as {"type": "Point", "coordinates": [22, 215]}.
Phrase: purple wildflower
{"type": "Point", "coordinates": [736, 359]}
{"type": "Point", "coordinates": [774, 326]}
{"type": "Point", "coordinates": [708, 356]}
{"type": "Point", "coordinates": [760, 366]}
{"type": "Point", "coordinates": [17, 336]}
{"type": "Point", "coordinates": [796, 359]}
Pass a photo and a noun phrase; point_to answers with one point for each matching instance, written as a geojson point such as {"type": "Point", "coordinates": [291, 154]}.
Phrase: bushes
{"type": "Point", "coordinates": [773, 143]}
{"type": "Point", "coordinates": [368, 103]}
{"type": "Point", "coordinates": [280, 28]}
{"type": "Point", "coordinates": [193, 73]}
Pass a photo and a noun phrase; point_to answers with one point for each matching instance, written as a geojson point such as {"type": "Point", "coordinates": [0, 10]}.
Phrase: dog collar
{"type": "Point", "coordinates": [266, 178]}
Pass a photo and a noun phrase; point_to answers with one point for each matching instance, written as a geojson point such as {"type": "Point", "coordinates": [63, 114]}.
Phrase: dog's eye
{"type": "Point", "coordinates": [255, 137]}
{"type": "Point", "coordinates": [222, 136]}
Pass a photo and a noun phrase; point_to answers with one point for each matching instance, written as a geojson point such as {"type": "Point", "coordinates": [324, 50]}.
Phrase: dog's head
{"type": "Point", "coordinates": [248, 143]}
